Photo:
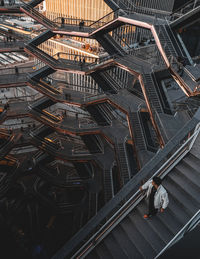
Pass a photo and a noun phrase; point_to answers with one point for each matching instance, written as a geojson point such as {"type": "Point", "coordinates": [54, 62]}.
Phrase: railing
{"type": "Point", "coordinates": [73, 21]}
{"type": "Point", "coordinates": [85, 25]}
{"type": "Point", "coordinates": [46, 143]}
{"type": "Point", "coordinates": [86, 123]}
{"type": "Point", "coordinates": [41, 53]}
{"type": "Point", "coordinates": [14, 3]}
{"type": "Point", "coordinates": [105, 19]}
{"type": "Point", "coordinates": [163, 171]}
{"type": "Point", "coordinates": [136, 92]}
{"type": "Point", "coordinates": [101, 61]}
{"type": "Point", "coordinates": [146, 10]}
{"type": "Point", "coordinates": [73, 59]}
{"type": "Point", "coordinates": [120, 41]}
{"type": "Point", "coordinates": [113, 212]}
{"type": "Point", "coordinates": [175, 39]}
{"type": "Point", "coordinates": [76, 58]}
{"type": "Point", "coordinates": [37, 14]}
{"type": "Point", "coordinates": [183, 106]}
{"type": "Point", "coordinates": [13, 44]}
{"type": "Point", "coordinates": [149, 52]}
{"type": "Point", "coordinates": [12, 70]}
{"type": "Point", "coordinates": [22, 98]}
{"type": "Point", "coordinates": [146, 137]}
{"type": "Point", "coordinates": [189, 6]}
{"type": "Point", "coordinates": [15, 126]}
{"type": "Point", "coordinates": [190, 225]}
{"type": "Point", "coordinates": [79, 149]}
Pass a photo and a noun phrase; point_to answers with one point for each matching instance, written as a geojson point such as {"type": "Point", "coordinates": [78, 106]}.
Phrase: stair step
{"type": "Point", "coordinates": [138, 239]}
{"type": "Point", "coordinates": [188, 172]}
{"type": "Point", "coordinates": [146, 229]}
{"type": "Point", "coordinates": [114, 247]}
{"type": "Point", "coordinates": [193, 161]}
{"type": "Point", "coordinates": [156, 224]}
{"type": "Point", "coordinates": [173, 223]}
{"type": "Point", "coordinates": [126, 243]}
{"type": "Point", "coordinates": [186, 179]}
{"type": "Point", "coordinates": [103, 251]}
{"type": "Point", "coordinates": [184, 187]}
{"type": "Point", "coordinates": [182, 197]}
{"type": "Point", "coordinates": [93, 254]}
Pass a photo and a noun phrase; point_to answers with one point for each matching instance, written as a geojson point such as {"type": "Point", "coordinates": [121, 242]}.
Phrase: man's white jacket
{"type": "Point", "coordinates": [160, 198]}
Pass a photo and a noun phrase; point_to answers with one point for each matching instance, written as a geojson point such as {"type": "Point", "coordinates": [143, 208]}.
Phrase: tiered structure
{"type": "Point", "coordinates": [99, 126]}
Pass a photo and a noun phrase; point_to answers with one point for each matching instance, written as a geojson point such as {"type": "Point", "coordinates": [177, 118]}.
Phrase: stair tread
{"type": "Point", "coordinates": [184, 188]}
{"type": "Point", "coordinates": [146, 229]}
{"type": "Point", "coordinates": [93, 255]}
{"type": "Point", "coordinates": [156, 224]}
{"type": "Point", "coordinates": [192, 175]}
{"type": "Point", "coordinates": [173, 223]}
{"type": "Point", "coordinates": [136, 237]}
{"type": "Point", "coordinates": [126, 243]}
{"type": "Point", "coordinates": [193, 161]}
{"type": "Point", "coordinates": [181, 197]}
{"type": "Point", "coordinates": [114, 247]}
{"type": "Point", "coordinates": [186, 183]}
{"type": "Point", "coordinates": [102, 251]}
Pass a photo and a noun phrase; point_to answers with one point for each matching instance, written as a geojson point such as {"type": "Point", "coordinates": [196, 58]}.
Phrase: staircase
{"type": "Point", "coordinates": [103, 82]}
{"type": "Point", "coordinates": [166, 41]}
{"type": "Point", "coordinates": [139, 137]}
{"type": "Point", "coordinates": [41, 55]}
{"type": "Point", "coordinates": [110, 45]}
{"type": "Point", "coordinates": [42, 37]}
{"type": "Point", "coordinates": [30, 11]}
{"type": "Point", "coordinates": [111, 3]}
{"type": "Point", "coordinates": [45, 144]}
{"type": "Point", "coordinates": [123, 162]}
{"type": "Point", "coordinates": [34, 3]}
{"type": "Point", "coordinates": [42, 72]}
{"type": "Point", "coordinates": [93, 143]}
{"type": "Point", "coordinates": [37, 110]}
{"type": "Point", "coordinates": [135, 237]}
{"type": "Point", "coordinates": [42, 103]}
{"type": "Point", "coordinates": [110, 81]}
{"type": "Point", "coordinates": [152, 93]}
{"type": "Point", "coordinates": [188, 18]}
{"type": "Point", "coordinates": [42, 158]}
{"type": "Point", "coordinates": [108, 185]}
{"type": "Point", "coordinates": [97, 112]}
{"type": "Point", "coordinates": [42, 132]}
{"type": "Point", "coordinates": [43, 87]}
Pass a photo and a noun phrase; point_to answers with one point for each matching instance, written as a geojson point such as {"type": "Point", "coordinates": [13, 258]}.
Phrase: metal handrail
{"type": "Point", "coordinates": [171, 162]}
{"type": "Point", "coordinates": [121, 41]}
{"type": "Point", "coordinates": [6, 3]}
{"type": "Point", "coordinates": [189, 6]}
{"type": "Point", "coordinates": [191, 224]}
{"type": "Point", "coordinates": [132, 188]}
{"type": "Point", "coordinates": [9, 70]}
{"type": "Point", "coordinates": [177, 43]}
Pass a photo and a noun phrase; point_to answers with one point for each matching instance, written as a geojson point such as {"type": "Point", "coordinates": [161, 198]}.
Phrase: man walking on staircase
{"type": "Point", "coordinates": [158, 197]}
